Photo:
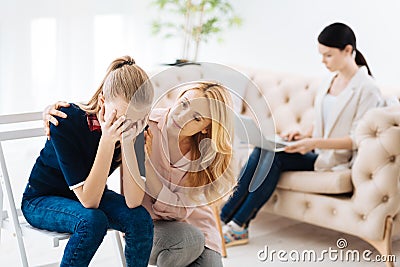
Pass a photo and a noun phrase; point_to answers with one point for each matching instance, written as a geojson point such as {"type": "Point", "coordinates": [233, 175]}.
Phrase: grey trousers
{"type": "Point", "coordinates": [179, 244]}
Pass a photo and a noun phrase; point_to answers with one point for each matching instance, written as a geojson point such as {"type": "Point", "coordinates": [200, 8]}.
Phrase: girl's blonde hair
{"type": "Point", "coordinates": [217, 179]}
{"type": "Point", "coordinates": [125, 79]}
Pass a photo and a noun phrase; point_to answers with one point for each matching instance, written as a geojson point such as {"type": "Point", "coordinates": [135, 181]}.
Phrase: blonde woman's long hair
{"type": "Point", "coordinates": [125, 79]}
{"type": "Point", "coordinates": [217, 179]}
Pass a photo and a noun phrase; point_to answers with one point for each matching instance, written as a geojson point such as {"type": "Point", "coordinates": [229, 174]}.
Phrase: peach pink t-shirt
{"type": "Point", "coordinates": [171, 201]}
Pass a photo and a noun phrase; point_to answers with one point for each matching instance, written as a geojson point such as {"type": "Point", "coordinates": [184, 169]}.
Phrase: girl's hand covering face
{"type": "Point", "coordinates": [130, 130]}
{"type": "Point", "coordinates": [111, 129]}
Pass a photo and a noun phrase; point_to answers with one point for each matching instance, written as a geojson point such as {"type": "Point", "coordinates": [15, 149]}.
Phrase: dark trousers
{"type": "Point", "coordinates": [258, 180]}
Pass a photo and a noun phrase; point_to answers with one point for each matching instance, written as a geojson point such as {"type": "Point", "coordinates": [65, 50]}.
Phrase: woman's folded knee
{"type": "Point", "coordinates": [93, 221]}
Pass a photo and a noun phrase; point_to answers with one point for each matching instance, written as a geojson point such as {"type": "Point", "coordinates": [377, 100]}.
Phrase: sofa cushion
{"type": "Point", "coordinates": [338, 182]}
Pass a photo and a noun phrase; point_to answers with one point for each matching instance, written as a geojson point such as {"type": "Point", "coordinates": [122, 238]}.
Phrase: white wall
{"type": "Point", "coordinates": [282, 34]}
{"type": "Point", "coordinates": [80, 38]}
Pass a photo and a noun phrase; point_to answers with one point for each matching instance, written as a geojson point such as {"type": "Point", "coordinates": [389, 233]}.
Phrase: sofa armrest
{"type": "Point", "coordinates": [376, 169]}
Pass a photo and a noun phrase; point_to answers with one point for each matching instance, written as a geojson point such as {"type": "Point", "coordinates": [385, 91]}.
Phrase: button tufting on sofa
{"type": "Point", "coordinates": [385, 199]}
{"type": "Point", "coordinates": [287, 99]}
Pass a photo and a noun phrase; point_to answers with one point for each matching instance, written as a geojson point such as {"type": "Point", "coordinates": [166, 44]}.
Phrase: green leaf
{"type": "Point", "coordinates": [155, 27]}
{"type": "Point", "coordinates": [235, 21]}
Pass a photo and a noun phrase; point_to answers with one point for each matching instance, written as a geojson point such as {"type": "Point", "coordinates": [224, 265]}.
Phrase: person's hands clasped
{"type": "Point", "coordinates": [302, 146]}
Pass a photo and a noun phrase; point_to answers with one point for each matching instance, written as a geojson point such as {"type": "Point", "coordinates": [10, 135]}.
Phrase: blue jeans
{"type": "Point", "coordinates": [258, 180]}
{"type": "Point", "coordinates": [89, 226]}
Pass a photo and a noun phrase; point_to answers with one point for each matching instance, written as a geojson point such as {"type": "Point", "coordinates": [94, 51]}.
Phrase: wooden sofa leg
{"type": "Point", "coordinates": [384, 246]}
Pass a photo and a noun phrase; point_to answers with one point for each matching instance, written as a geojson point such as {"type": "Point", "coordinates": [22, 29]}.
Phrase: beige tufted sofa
{"type": "Point", "coordinates": [363, 201]}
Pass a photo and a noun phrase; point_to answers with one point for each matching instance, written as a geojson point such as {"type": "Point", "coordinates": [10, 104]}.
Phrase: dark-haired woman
{"type": "Point", "coordinates": [329, 146]}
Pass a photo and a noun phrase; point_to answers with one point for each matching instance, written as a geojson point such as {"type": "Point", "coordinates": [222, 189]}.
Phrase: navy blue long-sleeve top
{"type": "Point", "coordinates": [67, 158]}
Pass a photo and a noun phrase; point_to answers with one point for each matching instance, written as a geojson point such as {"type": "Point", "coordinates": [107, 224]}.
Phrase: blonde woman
{"type": "Point", "coordinates": [188, 165]}
{"type": "Point", "coordinates": [67, 189]}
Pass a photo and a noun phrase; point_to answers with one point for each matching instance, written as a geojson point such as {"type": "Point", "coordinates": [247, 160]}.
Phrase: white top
{"type": "Point", "coordinates": [328, 105]}
{"type": "Point", "coordinates": [360, 95]}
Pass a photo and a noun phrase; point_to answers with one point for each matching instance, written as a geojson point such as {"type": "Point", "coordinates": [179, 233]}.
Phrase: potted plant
{"type": "Point", "coordinates": [196, 21]}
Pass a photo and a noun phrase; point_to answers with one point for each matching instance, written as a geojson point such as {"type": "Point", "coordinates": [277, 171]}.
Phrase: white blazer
{"type": "Point", "coordinates": [360, 95]}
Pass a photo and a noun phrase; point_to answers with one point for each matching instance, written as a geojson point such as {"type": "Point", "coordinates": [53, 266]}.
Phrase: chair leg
{"type": "Point", "coordinates": [5, 181]}
{"type": "Point", "coordinates": [216, 211]}
{"type": "Point", "coordinates": [384, 246]}
{"type": "Point", "coordinates": [1, 208]}
{"type": "Point", "coordinates": [21, 247]}
{"type": "Point", "coordinates": [119, 248]}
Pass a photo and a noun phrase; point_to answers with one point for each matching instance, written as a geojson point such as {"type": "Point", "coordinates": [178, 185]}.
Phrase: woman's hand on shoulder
{"type": "Point", "coordinates": [49, 114]}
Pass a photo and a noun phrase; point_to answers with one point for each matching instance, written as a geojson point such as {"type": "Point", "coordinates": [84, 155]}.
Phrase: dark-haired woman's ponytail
{"type": "Point", "coordinates": [360, 60]}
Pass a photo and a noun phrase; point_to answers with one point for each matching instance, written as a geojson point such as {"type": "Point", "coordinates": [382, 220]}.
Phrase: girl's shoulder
{"type": "Point", "coordinates": [73, 110]}
{"type": "Point", "coordinates": [75, 120]}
